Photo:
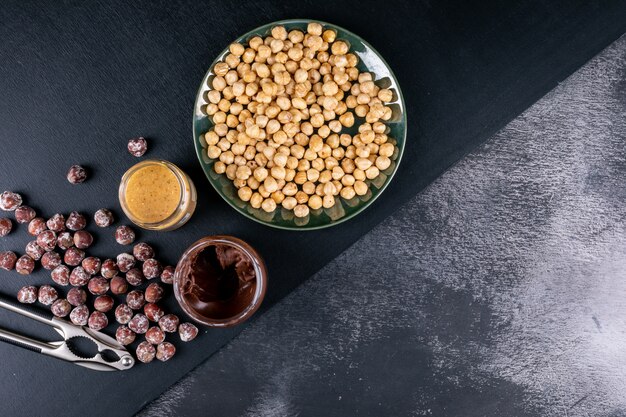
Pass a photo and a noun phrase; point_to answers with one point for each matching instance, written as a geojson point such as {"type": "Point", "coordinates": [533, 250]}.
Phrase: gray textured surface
{"type": "Point", "coordinates": [499, 290]}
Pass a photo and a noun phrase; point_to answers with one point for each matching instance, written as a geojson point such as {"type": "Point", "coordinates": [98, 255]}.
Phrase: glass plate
{"type": "Point", "coordinates": [370, 61]}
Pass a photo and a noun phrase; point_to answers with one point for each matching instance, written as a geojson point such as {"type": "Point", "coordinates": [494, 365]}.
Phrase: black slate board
{"type": "Point", "coordinates": [77, 79]}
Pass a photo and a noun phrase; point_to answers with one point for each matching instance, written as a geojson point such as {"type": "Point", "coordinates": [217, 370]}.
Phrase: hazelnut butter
{"type": "Point", "coordinates": [157, 195]}
{"type": "Point", "coordinates": [220, 281]}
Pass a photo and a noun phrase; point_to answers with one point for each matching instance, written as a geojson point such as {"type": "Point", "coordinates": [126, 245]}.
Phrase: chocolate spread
{"type": "Point", "coordinates": [221, 282]}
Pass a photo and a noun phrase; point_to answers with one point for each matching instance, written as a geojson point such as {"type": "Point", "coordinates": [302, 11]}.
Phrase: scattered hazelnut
{"type": "Point", "coordinates": [119, 285]}
{"type": "Point", "coordinates": [103, 218]}
{"type": "Point", "coordinates": [165, 351]}
{"type": "Point", "coordinates": [137, 146]}
{"type": "Point", "coordinates": [60, 274]}
{"type": "Point", "coordinates": [76, 296]}
{"type": "Point", "coordinates": [187, 332]}
{"type": "Point", "coordinates": [124, 235]}
{"type": "Point", "coordinates": [103, 303]}
{"type": "Point", "coordinates": [9, 201]}
{"type": "Point", "coordinates": [27, 294]}
{"type": "Point", "coordinates": [24, 214]}
{"type": "Point", "coordinates": [124, 335]}
{"type": "Point", "coordinates": [123, 314]}
{"type": "Point", "coordinates": [80, 315]}
{"type": "Point", "coordinates": [5, 226]}
{"type": "Point", "coordinates": [7, 260]}
{"type": "Point", "coordinates": [25, 265]}
{"type": "Point", "coordinates": [78, 277]}
{"type": "Point", "coordinates": [36, 226]}
{"type": "Point", "coordinates": [142, 251]}
{"type": "Point", "coordinates": [169, 323]}
{"type": "Point", "coordinates": [76, 221]}
{"type": "Point", "coordinates": [76, 174]}
{"type": "Point", "coordinates": [61, 308]}
{"type": "Point", "coordinates": [56, 223]}
{"type": "Point", "coordinates": [98, 320]}
{"type": "Point", "coordinates": [82, 239]}
{"type": "Point", "coordinates": [145, 352]}
{"type": "Point", "coordinates": [47, 295]}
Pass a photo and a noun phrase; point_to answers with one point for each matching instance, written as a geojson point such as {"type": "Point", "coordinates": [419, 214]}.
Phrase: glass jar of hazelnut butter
{"type": "Point", "coordinates": [157, 195]}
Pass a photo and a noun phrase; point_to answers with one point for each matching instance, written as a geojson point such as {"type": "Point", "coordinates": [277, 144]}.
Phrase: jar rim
{"type": "Point", "coordinates": [178, 173]}
{"type": "Point", "coordinates": [260, 270]}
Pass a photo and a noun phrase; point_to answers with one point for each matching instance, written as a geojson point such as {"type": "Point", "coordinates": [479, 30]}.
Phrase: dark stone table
{"type": "Point", "coordinates": [498, 291]}
{"type": "Point", "coordinates": [495, 291]}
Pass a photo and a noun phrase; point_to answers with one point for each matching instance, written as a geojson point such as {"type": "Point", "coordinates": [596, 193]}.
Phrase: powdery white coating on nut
{"type": "Point", "coordinates": [91, 265]}
{"type": "Point", "coordinates": [24, 214]}
{"type": "Point", "coordinates": [139, 324]}
{"type": "Point", "coordinates": [56, 223]}
{"type": "Point", "coordinates": [135, 299]}
{"type": "Point", "coordinates": [137, 146]}
{"type": "Point", "coordinates": [167, 276]}
{"type": "Point", "coordinates": [61, 308]}
{"type": "Point", "coordinates": [152, 268]}
{"type": "Point", "coordinates": [76, 174]}
{"type": "Point", "coordinates": [36, 226]}
{"type": "Point", "coordinates": [80, 315]}
{"type": "Point", "coordinates": [123, 314]}
{"type": "Point", "coordinates": [103, 218]}
{"type": "Point", "coordinates": [82, 239]}
{"type": "Point", "coordinates": [73, 256]}
{"type": "Point", "coordinates": [153, 312]}
{"type": "Point", "coordinates": [154, 293]}
{"type": "Point", "coordinates": [103, 303]}
{"type": "Point", "coordinates": [142, 251]}
{"type": "Point", "coordinates": [169, 323]}
{"type": "Point", "coordinates": [187, 332]}
{"type": "Point", "coordinates": [9, 201]}
{"type": "Point", "coordinates": [109, 268]}
{"type": "Point", "coordinates": [98, 285]}
{"type": "Point", "coordinates": [124, 335]}
{"type": "Point", "coordinates": [47, 239]}
{"type": "Point", "coordinates": [60, 274]}
{"type": "Point", "coordinates": [78, 277]}
{"type": "Point", "coordinates": [124, 235]}
{"type": "Point", "coordinates": [134, 277]}
{"type": "Point", "coordinates": [7, 260]}
{"type": "Point", "coordinates": [76, 296]}
{"type": "Point", "coordinates": [145, 352]}
{"type": "Point", "coordinates": [165, 351]}
{"type": "Point", "coordinates": [5, 226]}
{"type": "Point", "coordinates": [155, 335]}
{"type": "Point", "coordinates": [50, 260]}
{"type": "Point", "coordinates": [125, 262]}
{"type": "Point", "coordinates": [25, 265]}
{"type": "Point", "coordinates": [27, 294]}
{"type": "Point", "coordinates": [75, 221]}
{"type": "Point", "coordinates": [34, 250]}
{"type": "Point", "coordinates": [98, 320]}
{"type": "Point", "coordinates": [47, 295]}
{"type": "Point", "coordinates": [65, 240]}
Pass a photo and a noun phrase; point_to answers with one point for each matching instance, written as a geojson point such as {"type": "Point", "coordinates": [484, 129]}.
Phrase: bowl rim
{"type": "Point", "coordinates": [196, 135]}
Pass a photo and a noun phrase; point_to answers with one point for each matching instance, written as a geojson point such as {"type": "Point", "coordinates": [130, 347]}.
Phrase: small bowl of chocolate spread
{"type": "Point", "coordinates": [220, 281]}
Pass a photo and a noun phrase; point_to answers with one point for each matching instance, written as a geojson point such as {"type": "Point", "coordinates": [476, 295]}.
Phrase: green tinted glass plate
{"type": "Point", "coordinates": [370, 61]}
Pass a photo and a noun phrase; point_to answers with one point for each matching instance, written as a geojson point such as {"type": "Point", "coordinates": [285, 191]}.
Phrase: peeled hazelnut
{"type": "Point", "coordinates": [103, 218]}
{"type": "Point", "coordinates": [9, 201]}
{"type": "Point", "coordinates": [119, 285]}
{"type": "Point", "coordinates": [76, 174]}
{"type": "Point", "coordinates": [154, 293]}
{"type": "Point", "coordinates": [82, 239]}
